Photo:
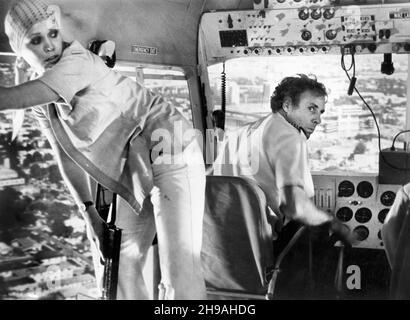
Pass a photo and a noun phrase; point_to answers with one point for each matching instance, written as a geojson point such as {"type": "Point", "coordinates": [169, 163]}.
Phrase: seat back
{"type": "Point", "coordinates": [237, 249]}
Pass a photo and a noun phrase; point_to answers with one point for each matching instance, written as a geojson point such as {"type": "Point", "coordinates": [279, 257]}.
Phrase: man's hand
{"type": "Point", "coordinates": [341, 232]}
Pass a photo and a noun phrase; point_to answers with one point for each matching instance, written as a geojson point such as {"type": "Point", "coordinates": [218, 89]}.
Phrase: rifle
{"type": "Point", "coordinates": [111, 244]}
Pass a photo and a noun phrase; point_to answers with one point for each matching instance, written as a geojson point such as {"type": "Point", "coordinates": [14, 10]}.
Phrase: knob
{"type": "Point", "coordinates": [358, 48]}
{"type": "Point", "coordinates": [372, 47]}
{"type": "Point", "coordinates": [303, 14]}
{"type": "Point", "coordinates": [306, 35]}
{"type": "Point", "coordinates": [329, 13]}
{"type": "Point", "coordinates": [230, 25]}
{"type": "Point", "coordinates": [361, 232]}
{"type": "Point", "coordinates": [316, 14]}
{"type": "Point", "coordinates": [331, 34]}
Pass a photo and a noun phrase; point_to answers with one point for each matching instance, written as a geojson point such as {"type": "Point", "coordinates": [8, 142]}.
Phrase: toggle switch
{"type": "Point", "coordinates": [230, 24]}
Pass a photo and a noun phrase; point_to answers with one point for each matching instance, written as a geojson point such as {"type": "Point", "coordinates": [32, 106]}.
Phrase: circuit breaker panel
{"type": "Point", "coordinates": [306, 27]}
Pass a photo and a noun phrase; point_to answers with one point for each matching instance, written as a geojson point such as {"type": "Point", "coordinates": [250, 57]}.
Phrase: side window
{"type": "Point", "coordinates": [43, 243]}
{"type": "Point", "coordinates": [169, 83]}
{"type": "Point", "coordinates": [347, 138]}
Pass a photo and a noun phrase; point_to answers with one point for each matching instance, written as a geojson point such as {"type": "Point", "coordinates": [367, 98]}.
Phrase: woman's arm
{"type": "Point", "coordinates": [26, 95]}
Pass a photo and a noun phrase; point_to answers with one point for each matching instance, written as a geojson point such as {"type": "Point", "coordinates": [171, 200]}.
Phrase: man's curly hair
{"type": "Point", "coordinates": [293, 87]}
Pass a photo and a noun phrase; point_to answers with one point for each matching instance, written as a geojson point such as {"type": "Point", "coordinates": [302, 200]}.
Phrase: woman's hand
{"type": "Point", "coordinates": [21, 65]}
{"type": "Point", "coordinates": [98, 229]}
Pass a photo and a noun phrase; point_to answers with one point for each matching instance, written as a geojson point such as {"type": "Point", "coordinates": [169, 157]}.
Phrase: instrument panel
{"type": "Point", "coordinates": [306, 28]}
{"type": "Point", "coordinates": [286, 4]}
{"type": "Point", "coordinates": [359, 202]}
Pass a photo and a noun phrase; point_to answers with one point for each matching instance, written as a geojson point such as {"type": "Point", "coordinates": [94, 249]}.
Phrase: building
{"type": "Point", "coordinates": [26, 244]}
{"type": "Point", "coordinates": [5, 249]}
{"type": "Point", "coordinates": [49, 257]}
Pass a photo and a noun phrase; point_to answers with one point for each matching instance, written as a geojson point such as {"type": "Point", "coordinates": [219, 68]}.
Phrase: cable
{"type": "Point", "coordinates": [367, 105]}
{"type": "Point", "coordinates": [223, 88]}
{"type": "Point", "coordinates": [395, 137]}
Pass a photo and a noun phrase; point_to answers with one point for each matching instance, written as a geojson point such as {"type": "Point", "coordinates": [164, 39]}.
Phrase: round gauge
{"type": "Point", "coordinates": [331, 34]}
{"type": "Point", "coordinates": [365, 189]}
{"type": "Point", "coordinates": [346, 189]}
{"type": "Point", "coordinates": [379, 235]}
{"type": "Point", "coordinates": [363, 215]}
{"type": "Point", "coordinates": [304, 14]}
{"type": "Point", "coordinates": [329, 13]}
{"type": "Point", "coordinates": [382, 215]}
{"type": "Point", "coordinates": [361, 232]}
{"type": "Point", "coordinates": [306, 35]}
{"type": "Point", "coordinates": [344, 214]}
{"type": "Point", "coordinates": [316, 14]}
{"type": "Point", "coordinates": [387, 198]}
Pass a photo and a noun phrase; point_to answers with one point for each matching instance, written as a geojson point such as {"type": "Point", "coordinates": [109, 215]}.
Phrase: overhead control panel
{"type": "Point", "coordinates": [311, 28]}
{"type": "Point", "coordinates": [359, 202]}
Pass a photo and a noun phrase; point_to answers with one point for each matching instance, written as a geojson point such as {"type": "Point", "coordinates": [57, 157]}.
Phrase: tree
{"type": "Point", "coordinates": [36, 171]}
{"type": "Point", "coordinates": [60, 229]}
{"type": "Point", "coordinates": [12, 209]}
{"type": "Point", "coordinates": [27, 160]}
{"type": "Point", "coordinates": [35, 133]}
{"type": "Point", "coordinates": [48, 157]}
{"type": "Point", "coordinates": [37, 157]}
{"type": "Point", "coordinates": [360, 148]}
{"type": "Point", "coordinates": [54, 174]}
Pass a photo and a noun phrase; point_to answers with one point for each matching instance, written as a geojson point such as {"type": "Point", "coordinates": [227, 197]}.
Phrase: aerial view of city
{"type": "Point", "coordinates": [44, 252]}
{"type": "Point", "coordinates": [347, 138]}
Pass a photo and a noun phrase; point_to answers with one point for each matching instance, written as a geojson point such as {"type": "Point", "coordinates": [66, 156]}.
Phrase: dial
{"type": "Point", "coordinates": [344, 214]}
{"type": "Point", "coordinates": [365, 189]}
{"type": "Point", "coordinates": [329, 13]}
{"type": "Point", "coordinates": [363, 215]}
{"type": "Point", "coordinates": [316, 13]}
{"type": "Point", "coordinates": [382, 215]}
{"type": "Point", "coordinates": [304, 14]}
{"type": "Point", "coordinates": [361, 232]}
{"type": "Point", "coordinates": [387, 198]}
{"type": "Point", "coordinates": [331, 34]}
{"type": "Point", "coordinates": [306, 35]}
{"type": "Point", "coordinates": [346, 189]}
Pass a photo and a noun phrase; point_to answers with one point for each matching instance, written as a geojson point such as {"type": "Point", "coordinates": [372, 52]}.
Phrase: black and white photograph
{"type": "Point", "coordinates": [221, 153]}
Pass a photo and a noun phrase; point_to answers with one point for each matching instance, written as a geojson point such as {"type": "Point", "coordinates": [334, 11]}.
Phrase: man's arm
{"type": "Point", "coordinates": [296, 205]}
{"type": "Point", "coordinates": [26, 95]}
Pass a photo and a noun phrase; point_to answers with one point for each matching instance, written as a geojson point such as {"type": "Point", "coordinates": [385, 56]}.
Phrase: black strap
{"type": "Point", "coordinates": [107, 211]}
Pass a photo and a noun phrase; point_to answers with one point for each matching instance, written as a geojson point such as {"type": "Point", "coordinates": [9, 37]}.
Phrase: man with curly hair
{"type": "Point", "coordinates": [273, 150]}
